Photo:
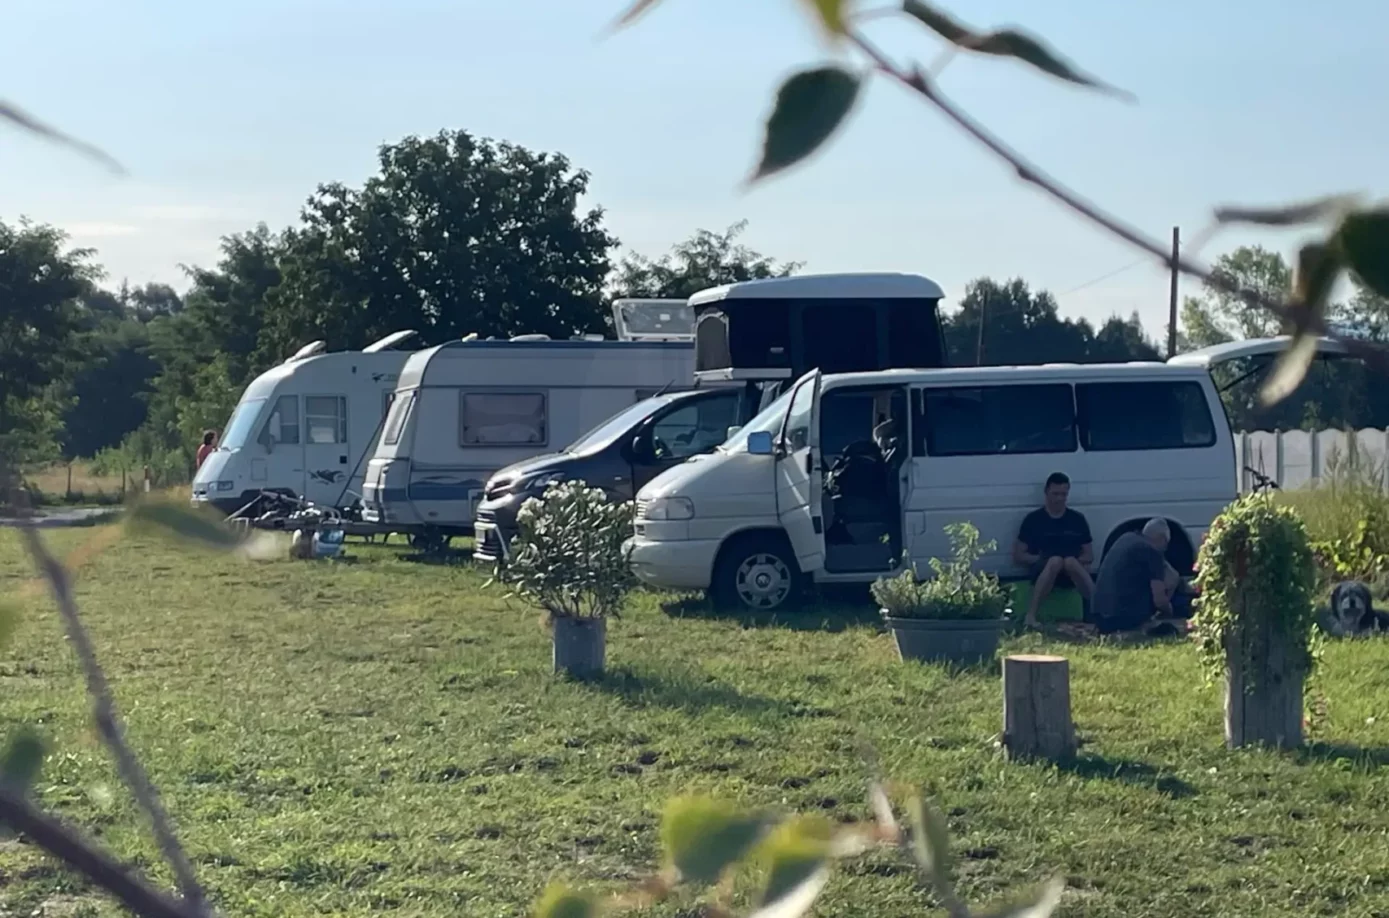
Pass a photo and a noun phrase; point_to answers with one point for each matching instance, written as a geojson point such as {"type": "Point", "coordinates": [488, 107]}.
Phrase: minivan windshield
{"type": "Point", "coordinates": [240, 424]}
{"type": "Point", "coordinates": [769, 420]}
{"type": "Point", "coordinates": [605, 433]}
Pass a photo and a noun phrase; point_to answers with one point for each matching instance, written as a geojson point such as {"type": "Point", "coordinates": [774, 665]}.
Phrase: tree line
{"type": "Point", "coordinates": [454, 234]}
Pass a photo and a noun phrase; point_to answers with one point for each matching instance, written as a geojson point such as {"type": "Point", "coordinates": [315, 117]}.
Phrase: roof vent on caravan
{"type": "Point", "coordinates": [653, 320]}
{"type": "Point", "coordinates": [471, 336]}
{"type": "Point", "coordinates": [389, 342]}
{"type": "Point", "coordinates": [530, 338]}
{"type": "Point", "coordinates": [781, 328]}
{"type": "Point", "coordinates": [308, 350]}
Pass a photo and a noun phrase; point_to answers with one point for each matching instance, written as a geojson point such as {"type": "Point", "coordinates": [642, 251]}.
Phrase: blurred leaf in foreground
{"type": "Point", "coordinates": [634, 12]}
{"type": "Point", "coordinates": [931, 842]}
{"type": "Point", "coordinates": [1041, 906]}
{"type": "Point", "coordinates": [702, 837]}
{"type": "Point", "coordinates": [1317, 272]}
{"type": "Point", "coordinates": [797, 858]}
{"type": "Point", "coordinates": [829, 13]}
{"type": "Point", "coordinates": [809, 107]}
{"type": "Point", "coordinates": [1005, 43]}
{"type": "Point", "coordinates": [165, 517]}
{"type": "Point", "coordinates": [1326, 208]}
{"type": "Point", "coordinates": [25, 121]}
{"type": "Point", "coordinates": [21, 761]}
{"type": "Point", "coordinates": [1363, 244]}
{"type": "Point", "coordinates": [560, 901]}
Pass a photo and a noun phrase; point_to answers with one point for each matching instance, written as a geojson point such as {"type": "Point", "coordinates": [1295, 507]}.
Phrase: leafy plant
{"type": "Point", "coordinates": [567, 556]}
{"type": "Point", "coordinates": [956, 592]}
{"type": "Point", "coordinates": [1257, 579]}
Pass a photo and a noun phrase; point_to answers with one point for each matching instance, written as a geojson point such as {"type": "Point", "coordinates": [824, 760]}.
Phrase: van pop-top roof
{"type": "Point", "coordinates": [877, 286]}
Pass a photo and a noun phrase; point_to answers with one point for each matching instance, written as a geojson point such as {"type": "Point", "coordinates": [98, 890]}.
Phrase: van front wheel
{"type": "Point", "coordinates": [758, 573]}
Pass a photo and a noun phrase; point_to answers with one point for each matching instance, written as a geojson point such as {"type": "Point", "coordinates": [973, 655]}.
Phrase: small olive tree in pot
{"type": "Point", "coordinates": [956, 615]}
{"type": "Point", "coordinates": [567, 558]}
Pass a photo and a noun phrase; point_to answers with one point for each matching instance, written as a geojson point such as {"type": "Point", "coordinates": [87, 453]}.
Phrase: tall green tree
{"type": "Point", "coordinates": [1217, 316]}
{"type": "Point", "coordinates": [454, 234]}
{"type": "Point", "coordinates": [41, 284]}
{"type": "Point", "coordinates": [706, 259]}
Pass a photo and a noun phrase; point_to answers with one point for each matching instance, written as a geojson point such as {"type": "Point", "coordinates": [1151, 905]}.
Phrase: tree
{"type": "Point", "coordinates": [1120, 340]}
{"type": "Point", "coordinates": [1218, 316]}
{"type": "Point", "coordinates": [455, 234]}
{"type": "Point", "coordinates": [41, 284]}
{"type": "Point", "coordinates": [704, 260]}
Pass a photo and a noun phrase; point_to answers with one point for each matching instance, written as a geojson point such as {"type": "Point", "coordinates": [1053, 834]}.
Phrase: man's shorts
{"type": "Point", "coordinates": [1035, 571]}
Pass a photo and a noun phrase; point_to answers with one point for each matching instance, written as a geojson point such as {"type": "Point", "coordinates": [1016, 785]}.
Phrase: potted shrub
{"type": "Point", "coordinates": [1255, 618]}
{"type": "Point", "coordinates": [567, 558]}
{"type": "Point", "coordinates": [956, 615]}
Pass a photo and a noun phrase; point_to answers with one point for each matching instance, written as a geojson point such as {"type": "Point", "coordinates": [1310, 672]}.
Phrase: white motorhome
{"type": "Point", "coordinates": [304, 428]}
{"type": "Point", "coordinates": [752, 520]}
{"type": "Point", "coordinates": [465, 409]}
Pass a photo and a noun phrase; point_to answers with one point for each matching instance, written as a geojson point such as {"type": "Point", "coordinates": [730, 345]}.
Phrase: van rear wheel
{"type": "Point", "coordinates": [756, 573]}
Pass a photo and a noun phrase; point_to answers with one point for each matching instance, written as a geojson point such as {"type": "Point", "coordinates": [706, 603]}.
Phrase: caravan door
{"type": "Point", "coordinates": [800, 476]}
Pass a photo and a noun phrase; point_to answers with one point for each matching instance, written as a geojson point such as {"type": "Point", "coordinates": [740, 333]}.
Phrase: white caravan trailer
{"type": "Point", "coordinates": [305, 428]}
{"type": "Point", "coordinates": [465, 409]}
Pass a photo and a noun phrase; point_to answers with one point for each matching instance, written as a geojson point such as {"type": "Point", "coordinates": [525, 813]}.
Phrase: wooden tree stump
{"type": "Point", "coordinates": [1269, 714]}
{"type": "Point", "coordinates": [1037, 708]}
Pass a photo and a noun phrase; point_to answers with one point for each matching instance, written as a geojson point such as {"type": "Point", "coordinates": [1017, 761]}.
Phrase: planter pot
{"type": "Point", "coordinates": [580, 646]}
{"type": "Point", "coordinates": [933, 641]}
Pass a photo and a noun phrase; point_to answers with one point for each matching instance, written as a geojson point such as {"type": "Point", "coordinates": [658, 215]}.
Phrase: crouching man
{"type": "Point", "coordinates": [1136, 587]}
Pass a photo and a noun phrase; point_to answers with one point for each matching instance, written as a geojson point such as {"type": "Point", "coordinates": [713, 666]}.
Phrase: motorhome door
{"type": "Point", "coordinates": [800, 476]}
{"type": "Point", "coordinates": [326, 460]}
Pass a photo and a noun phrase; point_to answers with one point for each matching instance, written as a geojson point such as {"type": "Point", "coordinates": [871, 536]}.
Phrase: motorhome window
{"type": "Point", "coordinates": [241, 423]}
{"type": "Point", "coordinates": [696, 427]}
{"type": "Point", "coordinates": [1117, 416]}
{"type": "Point", "coordinates": [769, 420]}
{"type": "Point", "coordinates": [796, 434]}
{"type": "Point", "coordinates": [325, 417]}
{"type": "Point", "coordinates": [502, 419]}
{"type": "Point", "coordinates": [395, 421]}
{"type": "Point", "coordinates": [286, 414]}
{"type": "Point", "coordinates": [994, 420]}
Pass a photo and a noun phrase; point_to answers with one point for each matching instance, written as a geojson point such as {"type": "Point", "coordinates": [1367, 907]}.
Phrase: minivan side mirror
{"type": "Point", "coordinates": [760, 443]}
{"type": "Point", "coordinates": [641, 447]}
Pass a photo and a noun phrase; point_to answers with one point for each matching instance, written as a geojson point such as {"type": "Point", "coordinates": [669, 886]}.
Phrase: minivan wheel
{"type": "Point", "coordinates": [757, 573]}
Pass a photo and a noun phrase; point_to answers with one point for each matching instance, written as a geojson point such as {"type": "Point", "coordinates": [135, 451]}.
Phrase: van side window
{"type": "Point", "coordinates": [287, 410]}
{"type": "Point", "coordinates": [502, 419]}
{"type": "Point", "coordinates": [697, 427]}
{"type": "Point", "coordinates": [797, 429]}
{"type": "Point", "coordinates": [325, 417]}
{"type": "Point", "coordinates": [1116, 416]}
{"type": "Point", "coordinates": [993, 420]}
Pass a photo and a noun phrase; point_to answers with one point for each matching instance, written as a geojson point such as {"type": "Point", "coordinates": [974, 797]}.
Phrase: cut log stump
{"type": "Point", "coordinates": [1263, 704]}
{"type": "Point", "coordinates": [1037, 708]}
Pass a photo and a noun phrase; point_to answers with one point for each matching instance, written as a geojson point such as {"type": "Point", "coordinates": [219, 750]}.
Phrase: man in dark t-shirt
{"type": "Point", "coordinates": [1054, 544]}
{"type": "Point", "coordinates": [1136, 584]}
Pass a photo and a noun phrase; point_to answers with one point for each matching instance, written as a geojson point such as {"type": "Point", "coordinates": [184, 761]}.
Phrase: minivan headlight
{"type": "Point", "coordinates": [670, 508]}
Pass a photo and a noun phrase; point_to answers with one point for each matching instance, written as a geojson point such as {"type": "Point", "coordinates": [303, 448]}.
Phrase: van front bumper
{"type": "Point", "coordinates": [681, 564]}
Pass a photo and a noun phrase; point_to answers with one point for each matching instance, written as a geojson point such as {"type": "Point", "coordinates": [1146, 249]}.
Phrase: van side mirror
{"type": "Point", "coordinates": [641, 448]}
{"type": "Point", "coordinates": [760, 443]}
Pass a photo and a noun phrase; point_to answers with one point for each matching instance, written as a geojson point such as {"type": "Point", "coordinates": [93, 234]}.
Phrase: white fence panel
{"type": "Point", "coordinates": [1296, 458]}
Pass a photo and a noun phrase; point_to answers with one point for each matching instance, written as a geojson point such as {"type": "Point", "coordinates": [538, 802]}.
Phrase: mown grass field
{"type": "Point", "coordinates": [348, 738]}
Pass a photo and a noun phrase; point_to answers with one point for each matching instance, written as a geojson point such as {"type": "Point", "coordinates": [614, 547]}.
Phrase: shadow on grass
{"type": "Point", "coordinates": [1128, 771]}
{"type": "Point", "coordinates": [834, 616]}
{"type": "Point", "coordinates": [1368, 758]}
{"type": "Point", "coordinates": [683, 690]}
{"type": "Point", "coordinates": [445, 558]}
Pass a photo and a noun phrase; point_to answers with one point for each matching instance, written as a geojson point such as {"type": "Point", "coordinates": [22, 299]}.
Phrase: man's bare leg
{"type": "Point", "coordinates": [1080, 577]}
{"type": "Point", "coordinates": [1041, 589]}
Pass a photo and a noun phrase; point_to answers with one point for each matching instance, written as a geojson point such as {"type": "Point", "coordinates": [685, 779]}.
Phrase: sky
{"type": "Point", "coordinates": [229, 114]}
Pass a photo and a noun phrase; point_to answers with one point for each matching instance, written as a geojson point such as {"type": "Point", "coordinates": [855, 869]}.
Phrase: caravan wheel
{"type": "Point", "coordinates": [430, 543]}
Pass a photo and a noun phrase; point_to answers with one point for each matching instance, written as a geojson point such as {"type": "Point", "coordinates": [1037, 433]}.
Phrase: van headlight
{"type": "Point", "coordinates": [670, 508]}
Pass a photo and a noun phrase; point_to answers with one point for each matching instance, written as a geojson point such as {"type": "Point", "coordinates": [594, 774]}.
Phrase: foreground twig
{"type": "Point", "coordinates": [914, 79]}
{"type": "Point", "coordinates": [109, 726]}
{"type": "Point", "coordinates": [103, 870]}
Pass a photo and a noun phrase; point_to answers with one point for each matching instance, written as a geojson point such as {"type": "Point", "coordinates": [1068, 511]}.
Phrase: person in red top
{"type": "Point", "coordinates": [209, 445]}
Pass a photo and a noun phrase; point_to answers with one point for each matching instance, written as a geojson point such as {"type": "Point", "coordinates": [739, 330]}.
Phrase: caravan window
{"type": "Point", "coordinates": [991, 420]}
{"type": "Point", "coordinates": [1118, 416]}
{"type": "Point", "coordinates": [502, 419]}
{"type": "Point", "coordinates": [326, 418]}
{"type": "Point", "coordinates": [286, 415]}
{"type": "Point", "coordinates": [395, 421]}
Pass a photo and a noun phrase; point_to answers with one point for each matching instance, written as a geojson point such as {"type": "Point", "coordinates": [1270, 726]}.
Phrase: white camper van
{"type": "Point", "coordinates": [304, 428]}
{"type": "Point", "coordinates": [818, 487]}
{"type": "Point", "coordinates": [465, 409]}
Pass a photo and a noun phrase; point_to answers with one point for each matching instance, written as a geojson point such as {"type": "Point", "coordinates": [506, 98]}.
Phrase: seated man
{"type": "Point", "coordinates": [1136, 584]}
{"type": "Point", "coordinates": [1054, 544]}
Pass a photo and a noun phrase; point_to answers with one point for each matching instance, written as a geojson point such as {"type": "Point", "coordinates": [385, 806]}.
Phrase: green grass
{"type": "Point", "coordinates": [348, 738]}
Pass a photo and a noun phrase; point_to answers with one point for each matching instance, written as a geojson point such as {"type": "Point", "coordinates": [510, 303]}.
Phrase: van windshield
{"type": "Point", "coordinates": [769, 420]}
{"type": "Point", "coordinates": [240, 424]}
{"type": "Point", "coordinates": [605, 433]}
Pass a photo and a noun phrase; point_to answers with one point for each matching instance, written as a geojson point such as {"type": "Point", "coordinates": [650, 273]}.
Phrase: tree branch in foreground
{"type": "Point", "coordinates": [109, 726]}
{"type": "Point", "coordinates": [103, 870]}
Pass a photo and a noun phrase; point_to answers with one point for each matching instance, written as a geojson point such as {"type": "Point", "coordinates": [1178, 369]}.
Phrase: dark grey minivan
{"type": "Point", "coordinates": [619, 455]}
